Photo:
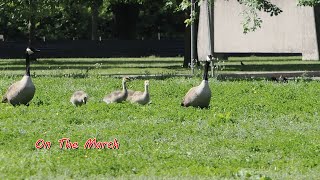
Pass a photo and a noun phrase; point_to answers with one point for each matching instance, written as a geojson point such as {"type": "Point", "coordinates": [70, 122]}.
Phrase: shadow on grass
{"type": "Point", "coordinates": [248, 67]}
{"type": "Point", "coordinates": [263, 60]}
{"type": "Point", "coordinates": [276, 67]}
{"type": "Point", "coordinates": [158, 76]}
{"type": "Point", "coordinates": [92, 62]}
{"type": "Point", "coordinates": [19, 68]}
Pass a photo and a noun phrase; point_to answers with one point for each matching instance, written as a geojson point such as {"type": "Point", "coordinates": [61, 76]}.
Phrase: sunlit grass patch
{"type": "Point", "coordinates": [253, 129]}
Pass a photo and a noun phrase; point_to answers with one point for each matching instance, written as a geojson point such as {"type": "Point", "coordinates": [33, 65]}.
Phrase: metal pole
{"type": "Point", "coordinates": [192, 16]}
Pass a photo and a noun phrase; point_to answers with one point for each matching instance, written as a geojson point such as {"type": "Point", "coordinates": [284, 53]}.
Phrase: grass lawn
{"type": "Point", "coordinates": [106, 66]}
{"type": "Point", "coordinates": [253, 129]}
{"type": "Point", "coordinates": [75, 67]}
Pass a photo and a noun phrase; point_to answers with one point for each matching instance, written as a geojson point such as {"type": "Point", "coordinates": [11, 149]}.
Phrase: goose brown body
{"type": "Point", "coordinates": [199, 96]}
{"type": "Point", "coordinates": [79, 98]}
{"type": "Point", "coordinates": [130, 93]}
{"type": "Point", "coordinates": [21, 92]}
{"type": "Point", "coordinates": [140, 97]}
{"type": "Point", "coordinates": [117, 96]}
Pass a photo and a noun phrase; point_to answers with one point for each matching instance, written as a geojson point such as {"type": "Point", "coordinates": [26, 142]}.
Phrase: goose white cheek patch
{"type": "Point", "coordinates": [29, 51]}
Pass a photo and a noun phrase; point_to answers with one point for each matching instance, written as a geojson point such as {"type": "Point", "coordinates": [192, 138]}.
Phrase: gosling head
{"type": "Point", "coordinates": [85, 99]}
{"type": "Point", "coordinates": [31, 50]}
{"type": "Point", "coordinates": [125, 79]}
{"type": "Point", "coordinates": [146, 83]}
{"type": "Point", "coordinates": [209, 57]}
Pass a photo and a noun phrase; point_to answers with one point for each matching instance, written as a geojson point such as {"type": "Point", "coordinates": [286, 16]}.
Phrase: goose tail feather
{"type": "Point", "coordinates": [107, 101]}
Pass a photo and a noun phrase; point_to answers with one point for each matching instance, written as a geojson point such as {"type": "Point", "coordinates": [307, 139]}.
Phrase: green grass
{"type": "Point", "coordinates": [106, 66]}
{"type": "Point", "coordinates": [253, 129]}
{"type": "Point", "coordinates": [150, 65]}
{"type": "Point", "coordinates": [253, 63]}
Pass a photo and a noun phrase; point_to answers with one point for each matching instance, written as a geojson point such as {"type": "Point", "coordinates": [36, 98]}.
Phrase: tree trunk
{"type": "Point", "coordinates": [94, 21]}
{"type": "Point", "coordinates": [31, 31]}
{"type": "Point", "coordinates": [316, 10]}
{"type": "Point", "coordinates": [187, 47]}
{"type": "Point", "coordinates": [126, 17]}
{"type": "Point", "coordinates": [31, 25]}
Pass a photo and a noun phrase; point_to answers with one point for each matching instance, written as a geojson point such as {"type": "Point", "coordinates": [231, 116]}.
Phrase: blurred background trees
{"type": "Point", "coordinates": [89, 19]}
{"type": "Point", "coordinates": [110, 19]}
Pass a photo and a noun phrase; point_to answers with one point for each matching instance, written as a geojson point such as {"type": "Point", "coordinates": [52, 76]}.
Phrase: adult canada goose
{"type": "Point", "coordinates": [21, 92]}
{"type": "Point", "coordinates": [282, 79]}
{"type": "Point", "coordinates": [140, 97]}
{"type": "Point", "coordinates": [199, 96]}
{"type": "Point", "coordinates": [79, 98]}
{"type": "Point", "coordinates": [118, 96]}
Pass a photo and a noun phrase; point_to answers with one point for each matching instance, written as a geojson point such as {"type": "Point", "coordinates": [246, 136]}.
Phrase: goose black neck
{"type": "Point", "coordinates": [27, 64]}
{"type": "Point", "coordinates": [124, 86]}
{"type": "Point", "coordinates": [146, 88]}
{"type": "Point", "coordinates": [206, 69]}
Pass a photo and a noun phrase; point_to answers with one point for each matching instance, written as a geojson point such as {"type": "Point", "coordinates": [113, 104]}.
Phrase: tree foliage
{"type": "Point", "coordinates": [79, 19]}
{"type": "Point", "coordinates": [84, 19]}
{"type": "Point", "coordinates": [24, 15]}
{"type": "Point", "coordinates": [251, 20]}
{"type": "Point", "coordinates": [309, 2]}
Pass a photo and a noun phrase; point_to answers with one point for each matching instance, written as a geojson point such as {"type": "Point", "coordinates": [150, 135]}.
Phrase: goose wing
{"type": "Point", "coordinates": [79, 98]}
{"type": "Point", "coordinates": [20, 92]}
{"type": "Point", "coordinates": [189, 97]}
{"type": "Point", "coordinates": [138, 97]}
{"type": "Point", "coordinates": [197, 98]}
{"type": "Point", "coordinates": [11, 90]}
{"type": "Point", "coordinates": [137, 94]}
{"type": "Point", "coordinates": [116, 96]}
{"type": "Point", "coordinates": [130, 93]}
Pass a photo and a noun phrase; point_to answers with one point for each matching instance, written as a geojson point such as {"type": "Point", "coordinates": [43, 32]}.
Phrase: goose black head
{"type": "Point", "coordinates": [209, 57]}
{"type": "Point", "coordinates": [29, 57]}
{"type": "Point", "coordinates": [206, 66]}
{"type": "Point", "coordinates": [31, 50]}
{"type": "Point", "coordinates": [126, 79]}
